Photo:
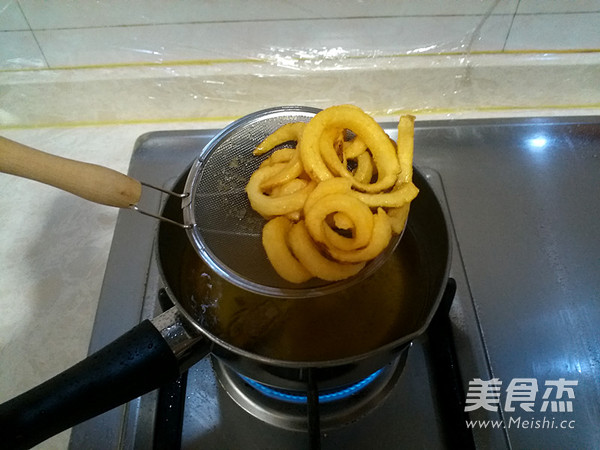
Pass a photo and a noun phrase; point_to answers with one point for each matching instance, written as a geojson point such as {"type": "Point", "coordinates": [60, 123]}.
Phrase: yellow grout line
{"type": "Point", "coordinates": [421, 111]}
{"type": "Point", "coordinates": [386, 113]}
{"type": "Point", "coordinates": [564, 51]}
{"type": "Point", "coordinates": [193, 62]}
{"type": "Point", "coordinates": [102, 123]}
{"type": "Point", "coordinates": [484, 52]}
{"type": "Point", "coordinates": [483, 109]}
{"type": "Point", "coordinates": [209, 62]}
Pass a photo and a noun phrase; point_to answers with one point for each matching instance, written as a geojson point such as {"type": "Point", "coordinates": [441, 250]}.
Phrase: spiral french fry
{"type": "Point", "coordinates": [274, 238]}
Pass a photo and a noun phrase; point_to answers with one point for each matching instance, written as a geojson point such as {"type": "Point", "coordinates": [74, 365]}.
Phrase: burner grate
{"type": "Point", "coordinates": [288, 409]}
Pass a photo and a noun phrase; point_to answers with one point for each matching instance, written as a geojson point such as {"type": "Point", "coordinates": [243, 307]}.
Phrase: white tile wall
{"type": "Point", "coordinates": [11, 17]}
{"type": "Point", "coordinates": [265, 40]}
{"type": "Point", "coordinates": [19, 49]}
{"type": "Point", "coordinates": [73, 33]}
{"type": "Point", "coordinates": [558, 6]}
{"type": "Point", "coordinates": [573, 31]}
{"type": "Point", "coordinates": [69, 14]}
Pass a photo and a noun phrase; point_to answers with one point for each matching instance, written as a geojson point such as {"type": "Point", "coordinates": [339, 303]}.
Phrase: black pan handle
{"type": "Point", "coordinates": [446, 373]}
{"type": "Point", "coordinates": [134, 364]}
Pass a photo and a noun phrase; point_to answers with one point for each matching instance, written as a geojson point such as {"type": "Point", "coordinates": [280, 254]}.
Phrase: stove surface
{"type": "Point", "coordinates": [523, 199]}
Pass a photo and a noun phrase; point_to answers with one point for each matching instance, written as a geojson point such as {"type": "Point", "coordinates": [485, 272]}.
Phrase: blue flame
{"type": "Point", "coordinates": [325, 397]}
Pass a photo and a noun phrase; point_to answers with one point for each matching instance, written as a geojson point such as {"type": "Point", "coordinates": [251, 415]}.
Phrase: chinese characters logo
{"type": "Point", "coordinates": [557, 395]}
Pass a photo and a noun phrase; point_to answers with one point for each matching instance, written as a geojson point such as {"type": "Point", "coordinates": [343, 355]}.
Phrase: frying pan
{"type": "Point", "coordinates": [157, 351]}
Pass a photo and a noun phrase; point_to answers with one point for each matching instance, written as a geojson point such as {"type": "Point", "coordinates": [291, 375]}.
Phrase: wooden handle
{"type": "Point", "coordinates": [90, 181]}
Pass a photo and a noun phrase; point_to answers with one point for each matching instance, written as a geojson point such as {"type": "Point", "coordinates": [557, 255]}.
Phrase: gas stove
{"type": "Point", "coordinates": [522, 196]}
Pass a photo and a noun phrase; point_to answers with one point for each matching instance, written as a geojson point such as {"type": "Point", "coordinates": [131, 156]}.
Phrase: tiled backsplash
{"type": "Point", "coordinates": [181, 60]}
{"type": "Point", "coordinates": [58, 33]}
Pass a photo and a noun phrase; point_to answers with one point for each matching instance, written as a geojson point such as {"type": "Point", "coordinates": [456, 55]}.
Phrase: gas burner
{"type": "Point", "coordinates": [287, 409]}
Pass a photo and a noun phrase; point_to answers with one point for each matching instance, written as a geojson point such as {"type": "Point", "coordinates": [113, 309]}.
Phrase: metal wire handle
{"type": "Point", "coordinates": [159, 217]}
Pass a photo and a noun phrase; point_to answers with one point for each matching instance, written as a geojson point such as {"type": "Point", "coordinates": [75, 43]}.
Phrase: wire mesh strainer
{"type": "Point", "coordinates": [221, 225]}
{"type": "Point", "coordinates": [224, 229]}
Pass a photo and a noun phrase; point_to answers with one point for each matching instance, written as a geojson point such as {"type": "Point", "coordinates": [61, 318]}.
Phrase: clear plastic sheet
{"type": "Point", "coordinates": [110, 62]}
